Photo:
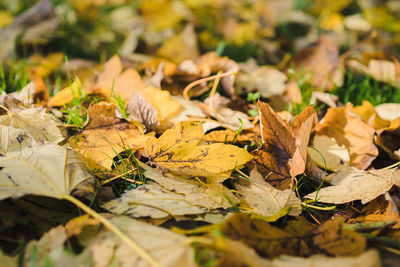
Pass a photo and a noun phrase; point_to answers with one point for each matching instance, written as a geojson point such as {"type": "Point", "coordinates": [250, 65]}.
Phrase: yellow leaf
{"type": "Point", "coordinates": [46, 65]}
{"type": "Point", "coordinates": [105, 135]}
{"type": "Point", "coordinates": [178, 151]}
{"type": "Point", "coordinates": [66, 95]}
{"type": "Point", "coordinates": [162, 101]}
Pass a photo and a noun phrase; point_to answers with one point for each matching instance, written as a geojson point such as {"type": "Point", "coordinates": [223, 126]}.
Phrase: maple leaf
{"type": "Point", "coordinates": [283, 154]}
{"type": "Point", "coordinates": [178, 150]}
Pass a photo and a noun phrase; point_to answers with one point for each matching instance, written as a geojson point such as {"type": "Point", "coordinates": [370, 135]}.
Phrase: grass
{"type": "Point", "coordinates": [357, 88]}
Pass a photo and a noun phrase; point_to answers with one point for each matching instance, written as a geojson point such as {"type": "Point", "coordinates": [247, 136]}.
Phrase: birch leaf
{"type": "Point", "coordinates": [355, 184]}
{"type": "Point", "coordinates": [177, 150]}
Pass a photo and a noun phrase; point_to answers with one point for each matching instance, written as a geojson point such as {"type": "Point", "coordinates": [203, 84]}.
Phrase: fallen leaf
{"type": "Point", "coordinates": [112, 68]}
{"type": "Point", "coordinates": [166, 106]}
{"type": "Point", "coordinates": [43, 66]}
{"type": "Point", "coordinates": [142, 111]}
{"type": "Point", "coordinates": [67, 94]}
{"type": "Point", "coordinates": [329, 238]}
{"type": "Point", "coordinates": [106, 134]}
{"type": "Point", "coordinates": [180, 47]}
{"type": "Point", "coordinates": [179, 150]}
{"type": "Point", "coordinates": [198, 194]}
{"type": "Point", "coordinates": [34, 92]}
{"type": "Point", "coordinates": [44, 169]}
{"type": "Point", "coordinates": [268, 81]}
{"type": "Point", "coordinates": [353, 184]}
{"type": "Point", "coordinates": [38, 124]}
{"type": "Point", "coordinates": [268, 241]}
{"type": "Point", "coordinates": [154, 201]}
{"type": "Point", "coordinates": [351, 131]}
{"type": "Point", "coordinates": [284, 151]}
{"type": "Point", "coordinates": [388, 139]}
{"type": "Point", "coordinates": [326, 153]}
{"type": "Point", "coordinates": [320, 62]}
{"type": "Point", "coordinates": [266, 200]}
{"type": "Point", "coordinates": [167, 247]}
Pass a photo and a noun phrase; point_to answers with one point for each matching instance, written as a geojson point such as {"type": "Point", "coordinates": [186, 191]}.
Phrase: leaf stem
{"type": "Point", "coordinates": [126, 239]}
{"type": "Point", "coordinates": [206, 79]}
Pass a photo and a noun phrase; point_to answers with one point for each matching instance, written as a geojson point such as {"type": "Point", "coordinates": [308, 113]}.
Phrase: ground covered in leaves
{"type": "Point", "coordinates": [199, 133]}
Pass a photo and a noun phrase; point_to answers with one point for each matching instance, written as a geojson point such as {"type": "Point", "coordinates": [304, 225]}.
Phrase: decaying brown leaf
{"type": "Point", "coordinates": [284, 151]}
{"type": "Point", "coordinates": [328, 238]}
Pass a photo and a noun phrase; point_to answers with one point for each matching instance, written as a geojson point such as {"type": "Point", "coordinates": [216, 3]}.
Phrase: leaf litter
{"type": "Point", "coordinates": [221, 135]}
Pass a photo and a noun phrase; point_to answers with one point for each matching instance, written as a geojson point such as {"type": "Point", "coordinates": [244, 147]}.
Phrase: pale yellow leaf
{"type": "Point", "coordinates": [326, 153]}
{"type": "Point", "coordinates": [38, 124]}
{"type": "Point", "coordinates": [154, 201]}
{"type": "Point", "coordinates": [44, 169]}
{"type": "Point", "coordinates": [355, 184]}
{"type": "Point", "coordinates": [266, 200]}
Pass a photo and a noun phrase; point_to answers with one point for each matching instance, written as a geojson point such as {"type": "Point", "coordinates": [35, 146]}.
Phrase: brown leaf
{"type": "Point", "coordinates": [142, 111]}
{"type": "Point", "coordinates": [284, 150]}
{"type": "Point", "coordinates": [330, 238]}
{"type": "Point", "coordinates": [351, 131]}
{"type": "Point", "coordinates": [320, 62]}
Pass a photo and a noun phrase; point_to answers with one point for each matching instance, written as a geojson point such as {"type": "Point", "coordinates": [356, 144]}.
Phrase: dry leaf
{"type": "Point", "coordinates": [326, 153]}
{"type": "Point", "coordinates": [112, 68]}
{"type": "Point", "coordinates": [142, 111]}
{"type": "Point", "coordinates": [266, 80]}
{"type": "Point", "coordinates": [106, 134]}
{"type": "Point", "coordinates": [355, 184]}
{"type": "Point", "coordinates": [154, 201]}
{"type": "Point", "coordinates": [320, 62]}
{"type": "Point", "coordinates": [44, 169]}
{"type": "Point", "coordinates": [181, 47]}
{"type": "Point", "coordinates": [284, 150]}
{"type": "Point", "coordinates": [329, 238]}
{"type": "Point", "coordinates": [351, 131]}
{"type": "Point", "coordinates": [67, 94]}
{"type": "Point", "coordinates": [178, 150]}
{"type": "Point", "coordinates": [196, 193]}
{"type": "Point", "coordinates": [38, 124]}
{"type": "Point", "coordinates": [166, 106]}
{"type": "Point", "coordinates": [43, 66]}
{"type": "Point", "coordinates": [388, 139]}
{"type": "Point", "coordinates": [266, 200]}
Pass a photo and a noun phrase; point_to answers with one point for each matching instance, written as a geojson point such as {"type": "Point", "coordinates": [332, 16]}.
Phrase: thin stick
{"type": "Point", "coordinates": [126, 239]}
{"type": "Point", "coordinates": [213, 90]}
{"type": "Point", "coordinates": [206, 79]}
{"type": "Point", "coordinates": [120, 176]}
